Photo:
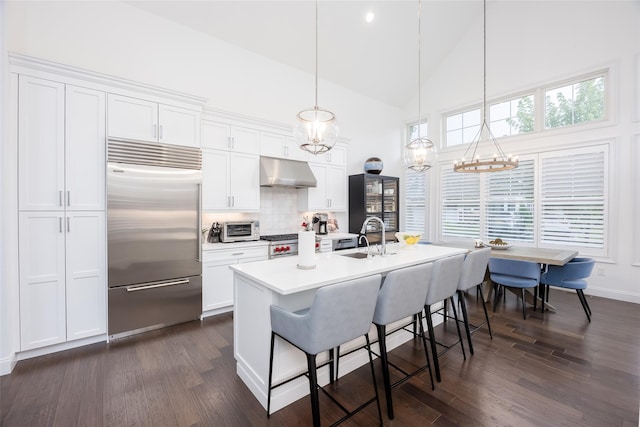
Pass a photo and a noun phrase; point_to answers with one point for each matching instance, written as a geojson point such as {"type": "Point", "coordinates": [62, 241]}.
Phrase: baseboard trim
{"type": "Point", "coordinates": [612, 294]}
{"type": "Point", "coordinates": [7, 364]}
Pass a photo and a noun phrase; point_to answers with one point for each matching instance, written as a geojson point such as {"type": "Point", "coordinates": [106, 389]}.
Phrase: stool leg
{"type": "Point", "coordinates": [455, 316]}
{"type": "Point", "coordinates": [432, 341]}
{"type": "Point", "coordinates": [426, 354]}
{"type": "Point", "coordinates": [385, 368]}
{"type": "Point", "coordinates": [313, 389]}
{"type": "Point", "coordinates": [524, 309]}
{"type": "Point", "coordinates": [331, 366]}
{"type": "Point", "coordinates": [273, 336]}
{"type": "Point", "coordinates": [373, 376]}
{"type": "Point", "coordinates": [465, 317]}
{"type": "Point", "coordinates": [484, 307]}
{"type": "Point", "coordinates": [337, 361]}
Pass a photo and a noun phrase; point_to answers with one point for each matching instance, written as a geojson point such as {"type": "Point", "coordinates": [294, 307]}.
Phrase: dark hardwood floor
{"type": "Point", "coordinates": [553, 369]}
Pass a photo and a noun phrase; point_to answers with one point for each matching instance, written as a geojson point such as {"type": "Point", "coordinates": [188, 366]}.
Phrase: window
{"type": "Point", "coordinates": [556, 198]}
{"type": "Point", "coordinates": [463, 127]}
{"type": "Point", "coordinates": [512, 117]}
{"type": "Point", "coordinates": [509, 208]}
{"type": "Point", "coordinates": [415, 189]}
{"type": "Point", "coordinates": [579, 102]}
{"type": "Point", "coordinates": [573, 198]}
{"type": "Point", "coordinates": [460, 204]}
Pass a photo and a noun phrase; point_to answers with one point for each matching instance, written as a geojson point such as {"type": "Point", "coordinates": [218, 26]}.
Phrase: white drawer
{"type": "Point", "coordinates": [235, 254]}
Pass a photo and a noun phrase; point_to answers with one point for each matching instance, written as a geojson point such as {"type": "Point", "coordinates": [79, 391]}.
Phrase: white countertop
{"type": "Point", "coordinates": [282, 275]}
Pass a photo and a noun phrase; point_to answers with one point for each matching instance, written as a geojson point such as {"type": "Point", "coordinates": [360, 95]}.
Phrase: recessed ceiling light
{"type": "Point", "coordinates": [369, 17]}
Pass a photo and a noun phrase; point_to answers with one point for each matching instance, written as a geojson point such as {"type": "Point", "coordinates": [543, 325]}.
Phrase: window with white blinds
{"type": "Point", "coordinates": [416, 201]}
{"type": "Point", "coordinates": [572, 197]}
{"type": "Point", "coordinates": [460, 214]}
{"type": "Point", "coordinates": [415, 189]}
{"type": "Point", "coordinates": [509, 204]}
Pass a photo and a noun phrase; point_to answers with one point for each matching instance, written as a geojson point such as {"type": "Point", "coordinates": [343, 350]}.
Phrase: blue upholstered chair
{"type": "Point", "coordinates": [474, 269]}
{"type": "Point", "coordinates": [338, 314]}
{"type": "Point", "coordinates": [402, 295]}
{"type": "Point", "coordinates": [514, 274]}
{"type": "Point", "coordinates": [570, 276]}
{"type": "Point", "coordinates": [444, 285]}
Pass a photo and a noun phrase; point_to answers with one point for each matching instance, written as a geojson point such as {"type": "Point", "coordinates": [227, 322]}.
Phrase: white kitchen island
{"type": "Point", "coordinates": [257, 285]}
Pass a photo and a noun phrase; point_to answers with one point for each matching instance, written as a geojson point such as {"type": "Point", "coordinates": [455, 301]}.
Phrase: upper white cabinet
{"type": "Point", "coordinates": [84, 149]}
{"type": "Point", "coordinates": [230, 181]}
{"type": "Point", "coordinates": [337, 156]}
{"type": "Point", "coordinates": [281, 146]}
{"type": "Point", "coordinates": [330, 194]}
{"type": "Point", "coordinates": [40, 144]}
{"type": "Point", "coordinates": [143, 120]}
{"type": "Point", "coordinates": [222, 136]}
{"type": "Point", "coordinates": [61, 146]}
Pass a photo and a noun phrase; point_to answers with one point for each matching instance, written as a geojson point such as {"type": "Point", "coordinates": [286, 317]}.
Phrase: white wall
{"type": "Point", "coordinates": [532, 43]}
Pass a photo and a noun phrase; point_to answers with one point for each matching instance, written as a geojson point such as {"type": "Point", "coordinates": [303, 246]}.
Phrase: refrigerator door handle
{"type": "Point", "coordinates": [156, 285]}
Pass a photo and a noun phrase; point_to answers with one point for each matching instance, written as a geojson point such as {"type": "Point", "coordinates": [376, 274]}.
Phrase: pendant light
{"type": "Point", "coordinates": [419, 153]}
{"type": "Point", "coordinates": [316, 129]}
{"type": "Point", "coordinates": [499, 161]}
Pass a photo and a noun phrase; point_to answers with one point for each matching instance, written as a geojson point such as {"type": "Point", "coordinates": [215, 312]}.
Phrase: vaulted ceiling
{"type": "Point", "coordinates": [377, 59]}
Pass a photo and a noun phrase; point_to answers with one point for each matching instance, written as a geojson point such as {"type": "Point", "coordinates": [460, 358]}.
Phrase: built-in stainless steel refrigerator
{"type": "Point", "coordinates": [153, 235]}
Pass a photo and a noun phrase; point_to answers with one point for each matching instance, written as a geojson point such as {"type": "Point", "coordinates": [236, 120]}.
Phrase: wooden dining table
{"type": "Point", "coordinates": [543, 256]}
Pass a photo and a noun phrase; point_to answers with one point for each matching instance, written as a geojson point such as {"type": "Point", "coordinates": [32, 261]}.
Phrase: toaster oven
{"type": "Point", "coordinates": [240, 231]}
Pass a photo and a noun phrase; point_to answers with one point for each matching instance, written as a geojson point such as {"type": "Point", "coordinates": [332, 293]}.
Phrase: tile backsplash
{"type": "Point", "coordinates": [278, 212]}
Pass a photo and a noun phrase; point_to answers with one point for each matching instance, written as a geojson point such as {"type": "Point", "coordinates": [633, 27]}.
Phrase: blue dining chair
{"type": "Point", "coordinates": [514, 274]}
{"type": "Point", "coordinates": [570, 276]}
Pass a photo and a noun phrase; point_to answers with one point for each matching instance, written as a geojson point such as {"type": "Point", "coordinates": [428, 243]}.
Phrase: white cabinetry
{"type": "Point", "coordinates": [231, 175]}
{"type": "Point", "coordinates": [217, 278]}
{"type": "Point", "coordinates": [221, 136]}
{"type": "Point", "coordinates": [330, 194]}
{"type": "Point", "coordinates": [281, 146]}
{"type": "Point", "coordinates": [139, 119]}
{"type": "Point", "coordinates": [61, 221]}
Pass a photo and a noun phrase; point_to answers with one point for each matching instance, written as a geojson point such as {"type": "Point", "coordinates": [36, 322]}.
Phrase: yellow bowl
{"type": "Point", "coordinates": [408, 238]}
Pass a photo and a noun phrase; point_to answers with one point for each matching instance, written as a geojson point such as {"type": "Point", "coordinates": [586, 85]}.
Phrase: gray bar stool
{"type": "Point", "coordinates": [402, 295]}
{"type": "Point", "coordinates": [474, 269]}
{"type": "Point", "coordinates": [338, 314]}
{"type": "Point", "coordinates": [444, 285]}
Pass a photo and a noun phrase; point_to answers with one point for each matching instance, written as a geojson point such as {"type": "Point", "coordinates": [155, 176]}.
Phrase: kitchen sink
{"type": "Point", "coordinates": [356, 255]}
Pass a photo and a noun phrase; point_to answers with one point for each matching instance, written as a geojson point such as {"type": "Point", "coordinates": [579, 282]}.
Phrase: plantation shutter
{"type": "Point", "coordinates": [460, 204]}
{"type": "Point", "coordinates": [509, 206]}
{"type": "Point", "coordinates": [573, 197]}
{"type": "Point", "coordinates": [415, 198]}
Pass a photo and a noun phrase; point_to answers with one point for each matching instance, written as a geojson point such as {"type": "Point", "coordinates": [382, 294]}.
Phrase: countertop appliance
{"type": "Point", "coordinates": [153, 235]}
{"type": "Point", "coordinates": [320, 221]}
{"type": "Point", "coordinates": [240, 231]}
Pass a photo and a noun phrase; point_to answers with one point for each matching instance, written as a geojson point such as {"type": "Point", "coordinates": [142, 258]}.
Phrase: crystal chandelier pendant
{"type": "Point", "coordinates": [419, 154]}
{"type": "Point", "coordinates": [316, 130]}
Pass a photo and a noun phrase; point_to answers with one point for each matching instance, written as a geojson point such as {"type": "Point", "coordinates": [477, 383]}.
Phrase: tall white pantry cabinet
{"type": "Point", "coordinates": [61, 161]}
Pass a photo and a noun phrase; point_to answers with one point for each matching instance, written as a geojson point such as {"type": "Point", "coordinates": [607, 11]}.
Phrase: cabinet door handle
{"type": "Point", "coordinates": [237, 254]}
{"type": "Point", "coordinates": [68, 197]}
{"type": "Point", "coordinates": [233, 201]}
{"type": "Point", "coordinates": [68, 225]}
{"type": "Point", "coordinates": [155, 131]}
{"type": "Point", "coordinates": [286, 151]}
{"type": "Point", "coordinates": [233, 142]}
{"type": "Point", "coordinates": [160, 131]}
{"type": "Point", "coordinates": [60, 224]}
{"type": "Point", "coordinates": [59, 197]}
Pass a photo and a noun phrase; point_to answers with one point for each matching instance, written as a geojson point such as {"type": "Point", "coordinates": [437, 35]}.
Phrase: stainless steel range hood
{"type": "Point", "coordinates": [285, 173]}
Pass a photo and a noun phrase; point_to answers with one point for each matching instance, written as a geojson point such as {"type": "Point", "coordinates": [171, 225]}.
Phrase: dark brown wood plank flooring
{"type": "Point", "coordinates": [553, 369]}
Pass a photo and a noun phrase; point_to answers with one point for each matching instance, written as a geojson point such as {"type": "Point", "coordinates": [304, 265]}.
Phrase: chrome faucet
{"type": "Point", "coordinates": [362, 236]}
{"type": "Point", "coordinates": [383, 251]}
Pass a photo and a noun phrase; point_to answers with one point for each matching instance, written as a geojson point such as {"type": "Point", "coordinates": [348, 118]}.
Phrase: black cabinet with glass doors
{"type": "Point", "coordinates": [374, 196]}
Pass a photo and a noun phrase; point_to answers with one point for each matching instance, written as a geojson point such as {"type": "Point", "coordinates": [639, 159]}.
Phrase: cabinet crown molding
{"type": "Point", "coordinates": [21, 63]}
